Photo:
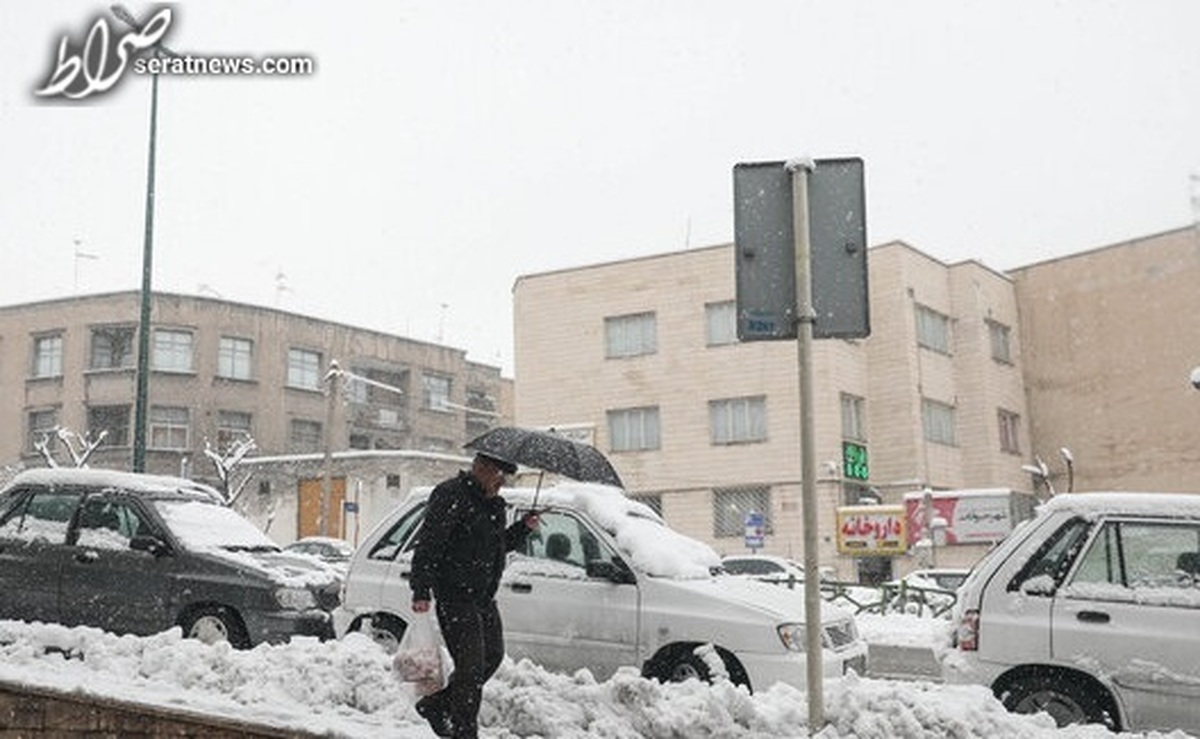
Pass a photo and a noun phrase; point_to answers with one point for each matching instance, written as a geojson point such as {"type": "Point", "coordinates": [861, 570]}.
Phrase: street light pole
{"type": "Point", "coordinates": [143, 362]}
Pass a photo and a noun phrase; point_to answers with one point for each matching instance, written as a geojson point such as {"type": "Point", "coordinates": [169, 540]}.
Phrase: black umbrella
{"type": "Point", "coordinates": [548, 451]}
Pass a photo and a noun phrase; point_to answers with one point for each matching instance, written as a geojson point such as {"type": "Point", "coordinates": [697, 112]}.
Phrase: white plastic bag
{"type": "Point", "coordinates": [422, 658]}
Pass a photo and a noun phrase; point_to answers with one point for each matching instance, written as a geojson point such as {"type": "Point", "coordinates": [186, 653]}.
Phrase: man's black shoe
{"type": "Point", "coordinates": [437, 717]}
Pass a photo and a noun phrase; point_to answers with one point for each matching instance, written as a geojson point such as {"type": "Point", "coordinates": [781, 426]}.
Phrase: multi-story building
{"type": "Point", "coordinates": [641, 357]}
{"type": "Point", "coordinates": [222, 371]}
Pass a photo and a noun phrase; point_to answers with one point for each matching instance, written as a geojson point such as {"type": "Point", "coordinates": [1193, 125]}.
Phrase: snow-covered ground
{"type": "Point", "coordinates": [346, 688]}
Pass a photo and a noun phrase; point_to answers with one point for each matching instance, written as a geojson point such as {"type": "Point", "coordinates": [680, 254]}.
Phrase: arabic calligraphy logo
{"type": "Point", "coordinates": [101, 61]}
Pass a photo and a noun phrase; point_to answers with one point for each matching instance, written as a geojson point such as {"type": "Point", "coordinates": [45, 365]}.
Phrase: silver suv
{"type": "Point", "coordinates": [139, 554]}
{"type": "Point", "coordinates": [1090, 612]}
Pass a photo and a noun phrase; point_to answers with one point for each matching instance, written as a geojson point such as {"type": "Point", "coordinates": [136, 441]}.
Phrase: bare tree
{"type": "Point", "coordinates": [80, 448]}
{"type": "Point", "coordinates": [227, 461]}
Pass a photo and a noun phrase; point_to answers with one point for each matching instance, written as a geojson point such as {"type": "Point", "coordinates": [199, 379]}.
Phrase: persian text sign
{"type": "Point", "coordinates": [872, 530]}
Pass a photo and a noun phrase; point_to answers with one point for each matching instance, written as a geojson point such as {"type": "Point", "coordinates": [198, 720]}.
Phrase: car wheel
{"type": "Point", "coordinates": [687, 666]}
{"type": "Point", "coordinates": [212, 624]}
{"type": "Point", "coordinates": [384, 630]}
{"type": "Point", "coordinates": [1066, 698]}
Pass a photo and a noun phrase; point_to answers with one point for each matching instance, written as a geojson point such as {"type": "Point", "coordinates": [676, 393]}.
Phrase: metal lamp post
{"type": "Point", "coordinates": [143, 360]}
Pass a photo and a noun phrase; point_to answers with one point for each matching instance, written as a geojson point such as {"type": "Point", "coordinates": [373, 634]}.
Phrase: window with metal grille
{"type": "Point", "coordinates": [47, 356]}
{"type": "Point", "coordinates": [630, 335]}
{"type": "Point", "coordinates": [721, 320]}
{"type": "Point", "coordinates": [112, 347]}
{"type": "Point", "coordinates": [1010, 427]}
{"type": "Point", "coordinates": [933, 330]}
{"type": "Point", "coordinates": [732, 505]}
{"type": "Point", "coordinates": [304, 369]}
{"type": "Point", "coordinates": [633, 429]}
{"type": "Point", "coordinates": [937, 422]}
{"type": "Point", "coordinates": [113, 421]}
{"type": "Point", "coordinates": [305, 436]}
{"type": "Point", "coordinates": [42, 426]}
{"type": "Point", "coordinates": [654, 502]}
{"type": "Point", "coordinates": [172, 351]}
{"type": "Point", "coordinates": [235, 358]}
{"type": "Point", "coordinates": [168, 427]}
{"type": "Point", "coordinates": [736, 420]}
{"type": "Point", "coordinates": [232, 426]}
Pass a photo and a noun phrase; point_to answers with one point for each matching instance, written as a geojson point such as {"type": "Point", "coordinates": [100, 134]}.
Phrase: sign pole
{"type": "Point", "coordinates": [806, 316]}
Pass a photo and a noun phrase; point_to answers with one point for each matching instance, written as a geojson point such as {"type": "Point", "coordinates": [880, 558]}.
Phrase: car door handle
{"type": "Point", "coordinates": [1092, 617]}
{"type": "Point", "coordinates": [86, 557]}
{"type": "Point", "coordinates": [521, 587]}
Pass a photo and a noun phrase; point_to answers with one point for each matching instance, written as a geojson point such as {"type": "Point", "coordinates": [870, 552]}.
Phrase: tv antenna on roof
{"type": "Point", "coordinates": [80, 255]}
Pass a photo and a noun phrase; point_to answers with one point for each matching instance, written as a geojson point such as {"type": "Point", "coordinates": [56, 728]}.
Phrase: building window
{"type": "Point", "coordinates": [305, 436]}
{"type": "Point", "coordinates": [1010, 426]}
{"type": "Point", "coordinates": [732, 505]}
{"type": "Point", "coordinates": [43, 426]}
{"type": "Point", "coordinates": [48, 356]}
{"type": "Point", "coordinates": [304, 369]}
{"type": "Point", "coordinates": [733, 420]}
{"type": "Point", "coordinates": [853, 424]}
{"type": "Point", "coordinates": [999, 335]}
{"type": "Point", "coordinates": [112, 347]}
{"type": "Point", "coordinates": [172, 351]}
{"type": "Point", "coordinates": [232, 426]}
{"type": "Point", "coordinates": [633, 429]}
{"type": "Point", "coordinates": [721, 319]}
{"type": "Point", "coordinates": [235, 358]}
{"type": "Point", "coordinates": [630, 336]}
{"type": "Point", "coordinates": [937, 422]}
{"type": "Point", "coordinates": [933, 330]}
{"type": "Point", "coordinates": [653, 502]}
{"type": "Point", "coordinates": [112, 421]}
{"type": "Point", "coordinates": [168, 427]}
{"type": "Point", "coordinates": [435, 392]}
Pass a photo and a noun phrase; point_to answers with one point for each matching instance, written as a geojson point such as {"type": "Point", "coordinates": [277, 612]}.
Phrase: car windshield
{"type": "Point", "coordinates": [206, 526]}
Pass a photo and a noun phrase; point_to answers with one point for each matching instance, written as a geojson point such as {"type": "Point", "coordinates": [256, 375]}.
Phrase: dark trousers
{"type": "Point", "coordinates": [475, 639]}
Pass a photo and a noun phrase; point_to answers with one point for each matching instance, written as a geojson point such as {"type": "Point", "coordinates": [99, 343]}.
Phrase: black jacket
{"type": "Point", "coordinates": [461, 547]}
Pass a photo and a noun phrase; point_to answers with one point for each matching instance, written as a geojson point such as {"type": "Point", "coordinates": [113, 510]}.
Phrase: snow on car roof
{"type": "Point", "coordinates": [641, 535]}
{"type": "Point", "coordinates": [1186, 505]}
{"type": "Point", "coordinates": [132, 481]}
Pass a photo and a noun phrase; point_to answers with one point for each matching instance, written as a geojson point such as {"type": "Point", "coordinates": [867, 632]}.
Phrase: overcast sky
{"type": "Point", "coordinates": [444, 148]}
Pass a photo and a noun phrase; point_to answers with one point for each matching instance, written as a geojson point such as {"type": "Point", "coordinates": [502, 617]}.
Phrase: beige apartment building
{"type": "Point", "coordinates": [641, 358]}
{"type": "Point", "coordinates": [223, 371]}
{"type": "Point", "coordinates": [643, 355]}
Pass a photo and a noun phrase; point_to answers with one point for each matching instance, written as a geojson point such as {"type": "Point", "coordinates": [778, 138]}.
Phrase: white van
{"type": "Point", "coordinates": [1090, 612]}
{"type": "Point", "coordinates": [604, 583]}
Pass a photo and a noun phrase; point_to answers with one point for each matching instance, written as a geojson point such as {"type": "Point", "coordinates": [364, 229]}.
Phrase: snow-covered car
{"type": "Point", "coordinates": [948, 579]}
{"type": "Point", "coordinates": [332, 551]}
{"type": "Point", "coordinates": [605, 583]}
{"type": "Point", "coordinates": [765, 567]}
{"type": "Point", "coordinates": [140, 554]}
{"type": "Point", "coordinates": [1090, 612]}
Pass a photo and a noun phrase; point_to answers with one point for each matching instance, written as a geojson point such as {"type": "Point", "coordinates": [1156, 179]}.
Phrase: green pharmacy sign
{"type": "Point", "coordinates": [854, 461]}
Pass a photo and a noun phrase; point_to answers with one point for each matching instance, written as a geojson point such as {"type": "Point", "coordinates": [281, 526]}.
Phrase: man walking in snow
{"type": "Point", "coordinates": [458, 559]}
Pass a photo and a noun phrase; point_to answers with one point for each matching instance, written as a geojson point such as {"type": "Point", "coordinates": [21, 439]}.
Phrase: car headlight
{"type": "Point", "coordinates": [296, 599]}
{"type": "Point", "coordinates": [792, 636]}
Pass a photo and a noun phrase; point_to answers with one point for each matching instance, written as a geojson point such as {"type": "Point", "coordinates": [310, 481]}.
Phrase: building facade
{"type": "Point", "coordinates": [642, 355]}
{"type": "Point", "coordinates": [223, 371]}
{"type": "Point", "coordinates": [1111, 337]}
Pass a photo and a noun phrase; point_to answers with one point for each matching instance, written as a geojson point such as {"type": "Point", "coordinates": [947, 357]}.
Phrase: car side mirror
{"type": "Point", "coordinates": [151, 544]}
{"type": "Point", "coordinates": [617, 571]}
